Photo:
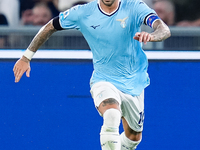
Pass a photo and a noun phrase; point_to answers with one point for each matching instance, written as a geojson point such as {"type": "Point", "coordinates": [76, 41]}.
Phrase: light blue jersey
{"type": "Point", "coordinates": [117, 57]}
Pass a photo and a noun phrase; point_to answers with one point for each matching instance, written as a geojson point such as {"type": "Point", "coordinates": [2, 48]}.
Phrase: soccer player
{"type": "Point", "coordinates": [112, 30]}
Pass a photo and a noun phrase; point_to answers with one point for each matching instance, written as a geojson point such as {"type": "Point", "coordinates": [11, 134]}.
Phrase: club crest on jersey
{"type": "Point", "coordinates": [122, 22]}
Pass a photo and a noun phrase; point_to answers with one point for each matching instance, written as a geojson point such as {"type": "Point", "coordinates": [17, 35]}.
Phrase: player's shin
{"type": "Point", "coordinates": [127, 144]}
{"type": "Point", "coordinates": [109, 136]}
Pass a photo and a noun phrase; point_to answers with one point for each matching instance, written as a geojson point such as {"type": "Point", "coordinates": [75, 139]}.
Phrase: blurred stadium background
{"type": "Point", "coordinates": [53, 108]}
{"type": "Point", "coordinates": [183, 38]}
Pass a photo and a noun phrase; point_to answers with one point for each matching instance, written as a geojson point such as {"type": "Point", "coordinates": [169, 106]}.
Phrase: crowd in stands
{"type": "Point", "coordinates": [38, 12]}
{"type": "Point", "coordinates": [19, 13]}
{"type": "Point", "coordinates": [16, 13]}
{"type": "Point", "coordinates": [178, 12]}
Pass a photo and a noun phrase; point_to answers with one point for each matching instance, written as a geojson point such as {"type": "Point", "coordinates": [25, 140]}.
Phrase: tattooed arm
{"type": "Point", "coordinates": [23, 64]}
{"type": "Point", "coordinates": [45, 32]}
{"type": "Point", "coordinates": [161, 32]}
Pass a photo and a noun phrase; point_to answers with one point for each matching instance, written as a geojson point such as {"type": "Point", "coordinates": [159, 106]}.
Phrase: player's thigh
{"type": "Point", "coordinates": [105, 96]}
{"type": "Point", "coordinates": [132, 108]}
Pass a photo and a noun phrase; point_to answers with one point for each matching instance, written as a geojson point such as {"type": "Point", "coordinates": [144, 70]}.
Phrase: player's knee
{"type": "Point", "coordinates": [108, 104]}
{"type": "Point", "coordinates": [134, 136]}
{"type": "Point", "coordinates": [112, 118]}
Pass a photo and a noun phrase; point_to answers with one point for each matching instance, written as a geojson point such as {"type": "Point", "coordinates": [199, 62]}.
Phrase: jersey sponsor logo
{"type": "Point", "coordinates": [94, 27]}
{"type": "Point", "coordinates": [122, 22]}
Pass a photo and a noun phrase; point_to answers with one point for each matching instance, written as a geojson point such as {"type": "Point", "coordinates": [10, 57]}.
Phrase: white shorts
{"type": "Point", "coordinates": [132, 107]}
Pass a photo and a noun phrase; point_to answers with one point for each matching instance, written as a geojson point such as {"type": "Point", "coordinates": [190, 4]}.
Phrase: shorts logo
{"type": "Point", "coordinates": [122, 22]}
{"type": "Point", "coordinates": [100, 95]}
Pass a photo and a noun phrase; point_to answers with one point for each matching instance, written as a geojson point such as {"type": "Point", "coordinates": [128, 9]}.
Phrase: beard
{"type": "Point", "coordinates": [108, 2]}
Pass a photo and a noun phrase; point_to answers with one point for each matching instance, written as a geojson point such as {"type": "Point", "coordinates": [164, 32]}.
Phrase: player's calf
{"type": "Point", "coordinates": [127, 144]}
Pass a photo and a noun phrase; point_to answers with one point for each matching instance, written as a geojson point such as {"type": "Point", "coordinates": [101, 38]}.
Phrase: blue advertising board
{"type": "Point", "coordinates": [53, 109]}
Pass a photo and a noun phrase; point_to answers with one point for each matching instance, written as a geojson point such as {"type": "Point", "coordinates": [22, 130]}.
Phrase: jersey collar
{"type": "Point", "coordinates": [108, 14]}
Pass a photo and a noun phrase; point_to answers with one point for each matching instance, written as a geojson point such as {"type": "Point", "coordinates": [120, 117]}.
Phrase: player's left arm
{"type": "Point", "coordinates": [161, 32]}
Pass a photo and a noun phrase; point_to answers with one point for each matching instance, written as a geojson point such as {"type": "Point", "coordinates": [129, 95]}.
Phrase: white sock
{"type": "Point", "coordinates": [110, 142]}
{"type": "Point", "coordinates": [109, 136]}
{"type": "Point", "coordinates": [127, 144]}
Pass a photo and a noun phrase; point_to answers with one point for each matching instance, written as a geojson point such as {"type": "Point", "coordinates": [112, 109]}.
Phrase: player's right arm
{"type": "Point", "coordinates": [66, 20]}
{"type": "Point", "coordinates": [23, 64]}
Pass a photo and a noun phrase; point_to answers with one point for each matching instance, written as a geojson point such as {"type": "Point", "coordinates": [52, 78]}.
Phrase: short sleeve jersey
{"type": "Point", "coordinates": [117, 57]}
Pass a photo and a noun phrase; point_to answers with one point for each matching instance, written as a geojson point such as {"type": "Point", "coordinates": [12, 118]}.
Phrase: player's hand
{"type": "Point", "coordinates": [143, 37]}
{"type": "Point", "coordinates": [21, 66]}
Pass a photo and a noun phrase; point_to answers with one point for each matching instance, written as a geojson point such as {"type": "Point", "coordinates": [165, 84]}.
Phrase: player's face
{"type": "Point", "coordinates": [108, 2]}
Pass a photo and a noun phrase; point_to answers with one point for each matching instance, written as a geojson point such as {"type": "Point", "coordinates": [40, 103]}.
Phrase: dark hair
{"type": "Point", "coordinates": [3, 20]}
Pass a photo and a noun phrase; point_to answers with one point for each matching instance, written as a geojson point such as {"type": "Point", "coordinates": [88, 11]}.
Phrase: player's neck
{"type": "Point", "coordinates": [109, 9]}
